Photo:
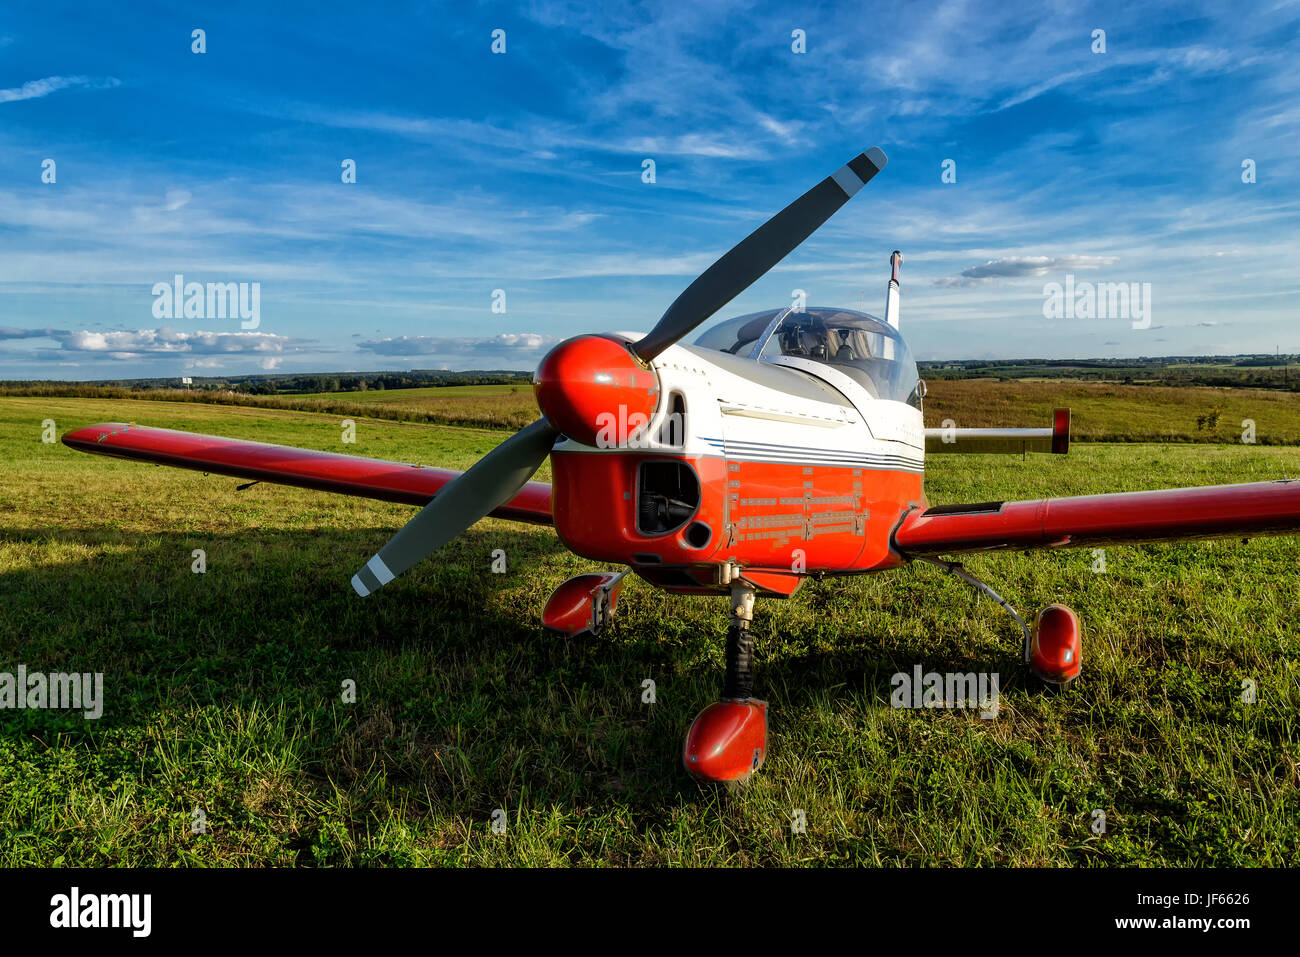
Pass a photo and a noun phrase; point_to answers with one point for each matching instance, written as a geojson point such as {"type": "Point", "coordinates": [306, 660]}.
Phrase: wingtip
{"type": "Point", "coordinates": [1061, 431]}
{"type": "Point", "coordinates": [91, 435]}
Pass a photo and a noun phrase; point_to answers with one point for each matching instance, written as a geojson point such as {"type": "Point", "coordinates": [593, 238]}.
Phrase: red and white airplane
{"type": "Point", "coordinates": [776, 446]}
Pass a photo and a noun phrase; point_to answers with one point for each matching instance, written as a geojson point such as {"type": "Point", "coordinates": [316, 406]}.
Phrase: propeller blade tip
{"type": "Point", "coordinates": [877, 156]}
{"type": "Point", "coordinates": [375, 574]}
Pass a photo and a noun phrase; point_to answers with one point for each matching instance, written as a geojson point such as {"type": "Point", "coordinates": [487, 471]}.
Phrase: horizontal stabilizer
{"type": "Point", "coordinates": [1015, 441]}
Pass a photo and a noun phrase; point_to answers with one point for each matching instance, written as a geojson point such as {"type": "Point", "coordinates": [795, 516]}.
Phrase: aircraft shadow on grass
{"type": "Point", "coordinates": [266, 626]}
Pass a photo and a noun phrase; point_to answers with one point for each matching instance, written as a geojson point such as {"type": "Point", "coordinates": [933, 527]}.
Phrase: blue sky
{"type": "Point", "coordinates": [522, 172]}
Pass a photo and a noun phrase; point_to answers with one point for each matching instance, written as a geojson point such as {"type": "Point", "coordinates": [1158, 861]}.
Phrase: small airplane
{"type": "Point", "coordinates": [779, 445]}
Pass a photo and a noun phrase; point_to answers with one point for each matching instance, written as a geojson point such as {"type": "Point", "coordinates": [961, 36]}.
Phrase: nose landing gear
{"type": "Point", "coordinates": [728, 739]}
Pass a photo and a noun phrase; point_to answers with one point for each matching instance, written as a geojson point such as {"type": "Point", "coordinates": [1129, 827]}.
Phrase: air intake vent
{"type": "Point", "coordinates": [667, 496]}
{"type": "Point", "coordinates": [673, 430]}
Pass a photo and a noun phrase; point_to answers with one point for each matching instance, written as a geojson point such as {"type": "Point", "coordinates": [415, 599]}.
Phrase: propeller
{"type": "Point", "coordinates": [759, 251]}
{"type": "Point", "coordinates": [583, 379]}
{"type": "Point", "coordinates": [491, 482]}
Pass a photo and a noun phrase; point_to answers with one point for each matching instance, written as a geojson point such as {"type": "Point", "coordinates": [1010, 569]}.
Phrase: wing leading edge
{"type": "Point", "coordinates": [283, 465]}
{"type": "Point", "coordinates": [1215, 511]}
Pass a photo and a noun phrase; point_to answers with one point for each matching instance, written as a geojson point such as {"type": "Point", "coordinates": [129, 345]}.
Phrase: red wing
{"type": "Point", "coordinates": [1216, 511]}
{"type": "Point", "coordinates": [326, 471]}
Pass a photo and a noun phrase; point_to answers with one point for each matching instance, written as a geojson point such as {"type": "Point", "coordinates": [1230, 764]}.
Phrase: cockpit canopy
{"type": "Point", "coordinates": [862, 347]}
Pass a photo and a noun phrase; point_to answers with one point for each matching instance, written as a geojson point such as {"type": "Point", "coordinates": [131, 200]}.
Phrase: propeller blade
{"type": "Point", "coordinates": [492, 481]}
{"type": "Point", "coordinates": [759, 251]}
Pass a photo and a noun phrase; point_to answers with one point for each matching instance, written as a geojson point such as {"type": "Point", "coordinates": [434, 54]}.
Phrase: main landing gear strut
{"type": "Point", "coordinates": [1053, 648]}
{"type": "Point", "coordinates": [728, 739]}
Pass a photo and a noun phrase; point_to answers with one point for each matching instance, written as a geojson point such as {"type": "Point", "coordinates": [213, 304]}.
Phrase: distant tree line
{"type": "Point", "coordinates": [1249, 372]}
{"type": "Point", "coordinates": [312, 383]}
{"type": "Point", "coordinates": [1233, 372]}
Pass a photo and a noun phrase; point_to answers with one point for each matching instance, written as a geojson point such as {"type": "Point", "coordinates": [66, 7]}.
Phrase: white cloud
{"type": "Point", "coordinates": [1013, 267]}
{"type": "Point", "coordinates": [164, 341]}
{"type": "Point", "coordinates": [694, 144]}
{"type": "Point", "coordinates": [34, 89]}
{"type": "Point", "coordinates": [507, 350]}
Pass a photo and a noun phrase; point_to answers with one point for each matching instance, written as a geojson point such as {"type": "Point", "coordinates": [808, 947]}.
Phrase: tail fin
{"type": "Point", "coordinates": [891, 295]}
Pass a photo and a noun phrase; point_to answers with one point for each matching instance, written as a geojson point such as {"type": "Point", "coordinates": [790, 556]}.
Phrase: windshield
{"type": "Point", "coordinates": [861, 346]}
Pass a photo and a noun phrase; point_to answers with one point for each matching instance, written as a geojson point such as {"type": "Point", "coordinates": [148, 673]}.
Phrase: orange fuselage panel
{"type": "Point", "coordinates": [780, 517]}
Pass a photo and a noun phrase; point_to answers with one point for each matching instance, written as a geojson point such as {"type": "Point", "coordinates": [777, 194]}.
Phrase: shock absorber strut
{"type": "Point", "coordinates": [728, 739]}
{"type": "Point", "coordinates": [738, 685]}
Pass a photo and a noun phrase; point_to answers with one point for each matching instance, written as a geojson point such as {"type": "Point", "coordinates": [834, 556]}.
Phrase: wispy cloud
{"type": "Point", "coordinates": [34, 89]}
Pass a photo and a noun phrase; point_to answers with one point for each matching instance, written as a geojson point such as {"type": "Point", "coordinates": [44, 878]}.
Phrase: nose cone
{"type": "Point", "coordinates": [594, 390]}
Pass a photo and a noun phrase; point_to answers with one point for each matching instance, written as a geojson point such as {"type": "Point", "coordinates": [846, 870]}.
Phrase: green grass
{"type": "Point", "coordinates": [474, 406]}
{"type": "Point", "coordinates": [1102, 412]}
{"type": "Point", "coordinates": [415, 396]}
{"type": "Point", "coordinates": [223, 689]}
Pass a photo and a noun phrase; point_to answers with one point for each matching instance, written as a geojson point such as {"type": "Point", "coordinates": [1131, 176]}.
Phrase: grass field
{"type": "Point", "coordinates": [223, 689]}
{"type": "Point", "coordinates": [472, 406]}
{"type": "Point", "coordinates": [1120, 413]}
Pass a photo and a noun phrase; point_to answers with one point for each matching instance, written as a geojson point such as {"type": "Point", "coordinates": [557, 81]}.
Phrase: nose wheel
{"type": "Point", "coordinates": [728, 739]}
